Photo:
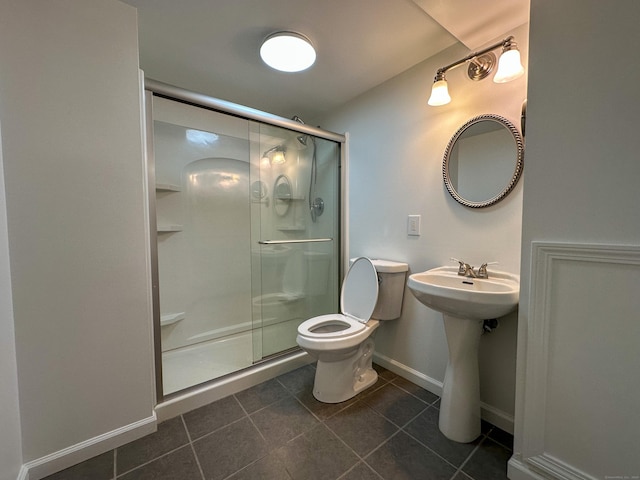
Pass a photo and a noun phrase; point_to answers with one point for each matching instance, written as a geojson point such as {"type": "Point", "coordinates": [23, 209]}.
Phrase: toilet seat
{"type": "Point", "coordinates": [358, 298]}
{"type": "Point", "coordinates": [310, 327]}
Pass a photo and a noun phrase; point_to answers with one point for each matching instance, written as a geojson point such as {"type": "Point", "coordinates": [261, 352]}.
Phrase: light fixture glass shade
{"type": "Point", "coordinates": [278, 158]}
{"type": "Point", "coordinates": [439, 94]}
{"type": "Point", "coordinates": [288, 52]}
{"type": "Point", "coordinates": [275, 155]}
{"type": "Point", "coordinates": [509, 66]}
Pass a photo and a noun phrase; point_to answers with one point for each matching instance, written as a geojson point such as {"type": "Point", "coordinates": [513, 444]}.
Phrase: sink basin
{"type": "Point", "coordinates": [442, 289]}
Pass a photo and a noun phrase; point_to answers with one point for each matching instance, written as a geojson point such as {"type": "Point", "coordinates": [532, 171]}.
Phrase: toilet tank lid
{"type": "Point", "coordinates": [388, 266]}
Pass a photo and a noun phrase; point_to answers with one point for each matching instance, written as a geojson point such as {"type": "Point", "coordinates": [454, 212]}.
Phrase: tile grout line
{"type": "Point", "coordinates": [466, 460]}
{"type": "Point", "coordinates": [193, 448]}
{"type": "Point", "coordinates": [137, 467]}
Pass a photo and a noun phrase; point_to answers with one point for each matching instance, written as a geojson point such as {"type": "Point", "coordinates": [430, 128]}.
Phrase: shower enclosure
{"type": "Point", "coordinates": [245, 208]}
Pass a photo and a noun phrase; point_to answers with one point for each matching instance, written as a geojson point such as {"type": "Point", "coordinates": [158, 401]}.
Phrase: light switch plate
{"type": "Point", "coordinates": [413, 225]}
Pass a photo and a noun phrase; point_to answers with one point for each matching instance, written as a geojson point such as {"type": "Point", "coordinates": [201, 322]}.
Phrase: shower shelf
{"type": "Point", "coordinates": [167, 187]}
{"type": "Point", "coordinates": [169, 228]}
{"type": "Point", "coordinates": [171, 318]}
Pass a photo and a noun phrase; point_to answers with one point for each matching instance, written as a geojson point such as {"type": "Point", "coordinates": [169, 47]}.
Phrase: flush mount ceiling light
{"type": "Point", "coordinates": [481, 64]}
{"type": "Point", "coordinates": [288, 52]}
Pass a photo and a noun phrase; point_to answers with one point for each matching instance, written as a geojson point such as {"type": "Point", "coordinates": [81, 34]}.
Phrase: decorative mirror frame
{"type": "Point", "coordinates": [516, 174]}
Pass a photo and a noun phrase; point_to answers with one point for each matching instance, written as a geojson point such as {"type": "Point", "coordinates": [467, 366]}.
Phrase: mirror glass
{"type": "Point", "coordinates": [483, 161]}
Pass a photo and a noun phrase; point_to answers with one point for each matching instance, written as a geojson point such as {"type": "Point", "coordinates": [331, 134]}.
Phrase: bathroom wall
{"type": "Point", "coordinates": [10, 435]}
{"type": "Point", "coordinates": [581, 188]}
{"type": "Point", "coordinates": [395, 169]}
{"type": "Point", "coordinates": [78, 236]}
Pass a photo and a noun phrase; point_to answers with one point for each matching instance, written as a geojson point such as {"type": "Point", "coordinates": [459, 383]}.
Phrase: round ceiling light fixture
{"type": "Point", "coordinates": [288, 52]}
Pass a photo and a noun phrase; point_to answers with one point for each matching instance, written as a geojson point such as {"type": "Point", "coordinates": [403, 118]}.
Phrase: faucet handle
{"type": "Point", "coordinates": [462, 269]}
{"type": "Point", "coordinates": [482, 271]}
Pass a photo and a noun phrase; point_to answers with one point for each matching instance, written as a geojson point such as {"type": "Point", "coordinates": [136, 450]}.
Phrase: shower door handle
{"type": "Point", "coordinates": [303, 240]}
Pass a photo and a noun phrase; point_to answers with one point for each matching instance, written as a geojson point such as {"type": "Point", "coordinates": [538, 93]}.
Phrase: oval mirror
{"type": "Point", "coordinates": [483, 161]}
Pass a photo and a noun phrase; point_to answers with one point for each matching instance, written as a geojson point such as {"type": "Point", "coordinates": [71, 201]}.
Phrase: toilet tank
{"type": "Point", "coordinates": [391, 283]}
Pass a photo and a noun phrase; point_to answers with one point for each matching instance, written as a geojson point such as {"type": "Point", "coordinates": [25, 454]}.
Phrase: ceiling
{"type": "Point", "coordinates": [211, 46]}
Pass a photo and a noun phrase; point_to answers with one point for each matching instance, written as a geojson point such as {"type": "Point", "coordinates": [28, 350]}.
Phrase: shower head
{"type": "Point", "coordinates": [301, 138]}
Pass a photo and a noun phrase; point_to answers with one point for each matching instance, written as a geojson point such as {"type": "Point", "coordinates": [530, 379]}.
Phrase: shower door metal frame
{"type": "Point", "coordinates": [154, 87]}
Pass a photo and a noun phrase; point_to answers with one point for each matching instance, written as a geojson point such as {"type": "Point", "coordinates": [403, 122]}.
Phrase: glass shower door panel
{"type": "Point", "coordinates": [298, 235]}
{"type": "Point", "coordinates": [204, 267]}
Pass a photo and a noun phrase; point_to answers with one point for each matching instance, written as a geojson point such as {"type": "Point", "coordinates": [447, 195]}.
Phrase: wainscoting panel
{"type": "Point", "coordinates": [583, 357]}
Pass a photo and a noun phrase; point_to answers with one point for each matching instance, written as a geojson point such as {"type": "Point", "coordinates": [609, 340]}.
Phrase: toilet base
{"type": "Point", "coordinates": [339, 379]}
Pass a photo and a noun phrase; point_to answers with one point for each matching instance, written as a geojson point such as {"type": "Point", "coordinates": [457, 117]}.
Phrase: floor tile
{"type": "Point", "coordinates": [461, 476]}
{"type": "Point", "coordinates": [395, 404]}
{"type": "Point", "coordinates": [316, 455]}
{"type": "Point", "coordinates": [362, 471]}
{"type": "Point", "coordinates": [488, 462]}
{"type": "Point", "coordinates": [261, 395]}
{"type": "Point", "coordinates": [229, 449]}
{"type": "Point", "coordinates": [403, 458]}
{"type": "Point", "coordinates": [282, 421]}
{"type": "Point", "coordinates": [267, 468]}
{"type": "Point", "coordinates": [383, 373]}
{"type": "Point", "coordinates": [96, 468]}
{"type": "Point", "coordinates": [298, 380]}
{"type": "Point", "coordinates": [169, 436]}
{"type": "Point", "coordinates": [320, 409]}
{"type": "Point", "coordinates": [424, 395]}
{"type": "Point", "coordinates": [361, 428]}
{"type": "Point", "coordinates": [425, 429]}
{"type": "Point", "coordinates": [215, 415]}
{"type": "Point", "coordinates": [178, 465]}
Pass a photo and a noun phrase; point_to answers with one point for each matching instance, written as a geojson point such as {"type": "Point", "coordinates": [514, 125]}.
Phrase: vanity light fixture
{"type": "Point", "coordinates": [288, 52]}
{"type": "Point", "coordinates": [275, 155]}
{"type": "Point", "coordinates": [481, 64]}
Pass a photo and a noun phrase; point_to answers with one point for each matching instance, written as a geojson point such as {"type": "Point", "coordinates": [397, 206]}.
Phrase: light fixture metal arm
{"type": "Point", "coordinates": [473, 55]}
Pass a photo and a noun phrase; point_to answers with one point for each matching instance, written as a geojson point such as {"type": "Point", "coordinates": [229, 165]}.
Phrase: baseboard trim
{"type": "Point", "coordinates": [516, 470]}
{"type": "Point", "coordinates": [23, 474]}
{"type": "Point", "coordinates": [431, 384]}
{"type": "Point", "coordinates": [65, 458]}
{"type": "Point", "coordinates": [495, 416]}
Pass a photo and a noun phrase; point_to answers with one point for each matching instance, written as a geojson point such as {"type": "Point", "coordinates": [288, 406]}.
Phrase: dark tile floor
{"type": "Point", "coordinates": [278, 431]}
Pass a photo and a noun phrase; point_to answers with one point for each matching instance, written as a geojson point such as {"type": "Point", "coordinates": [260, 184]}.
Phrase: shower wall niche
{"type": "Point", "coordinates": [241, 261]}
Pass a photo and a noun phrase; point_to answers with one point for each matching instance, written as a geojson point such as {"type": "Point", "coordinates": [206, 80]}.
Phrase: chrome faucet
{"type": "Point", "coordinates": [466, 270]}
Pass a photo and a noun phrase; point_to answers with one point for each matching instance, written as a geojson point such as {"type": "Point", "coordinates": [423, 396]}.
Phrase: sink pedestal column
{"type": "Point", "coordinates": [460, 404]}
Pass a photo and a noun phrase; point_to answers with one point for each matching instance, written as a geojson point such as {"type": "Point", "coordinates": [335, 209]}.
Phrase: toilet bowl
{"type": "Point", "coordinates": [343, 342]}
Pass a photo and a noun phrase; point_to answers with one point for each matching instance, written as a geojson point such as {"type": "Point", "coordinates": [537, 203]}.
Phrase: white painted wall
{"type": "Point", "coordinates": [74, 177]}
{"type": "Point", "coordinates": [581, 186]}
{"type": "Point", "coordinates": [10, 434]}
{"type": "Point", "coordinates": [396, 146]}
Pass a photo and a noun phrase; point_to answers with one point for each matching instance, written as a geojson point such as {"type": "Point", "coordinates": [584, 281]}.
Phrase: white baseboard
{"type": "Point", "coordinates": [430, 384]}
{"type": "Point", "coordinates": [495, 416]}
{"type": "Point", "coordinates": [23, 474]}
{"type": "Point", "coordinates": [57, 461]}
{"type": "Point", "coordinates": [516, 470]}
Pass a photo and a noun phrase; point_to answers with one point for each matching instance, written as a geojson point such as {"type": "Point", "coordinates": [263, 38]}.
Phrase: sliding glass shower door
{"type": "Point", "coordinates": [295, 234]}
{"type": "Point", "coordinates": [246, 216]}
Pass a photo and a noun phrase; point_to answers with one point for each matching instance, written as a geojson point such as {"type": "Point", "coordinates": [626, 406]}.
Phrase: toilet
{"type": "Point", "coordinates": [343, 343]}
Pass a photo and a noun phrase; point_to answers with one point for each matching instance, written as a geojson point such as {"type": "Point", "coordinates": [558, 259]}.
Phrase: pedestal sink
{"type": "Point", "coordinates": [465, 303]}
